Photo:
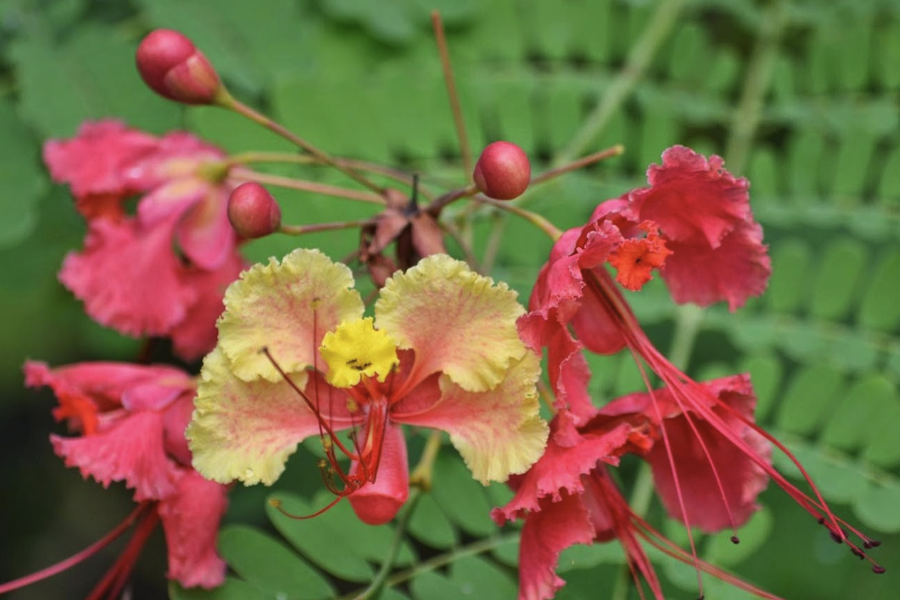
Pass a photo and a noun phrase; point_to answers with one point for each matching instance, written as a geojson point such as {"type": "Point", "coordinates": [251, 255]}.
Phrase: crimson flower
{"type": "Point", "coordinates": [694, 224]}
{"type": "Point", "coordinates": [131, 420]}
{"type": "Point", "coordinates": [569, 496]}
{"type": "Point", "coordinates": [163, 270]}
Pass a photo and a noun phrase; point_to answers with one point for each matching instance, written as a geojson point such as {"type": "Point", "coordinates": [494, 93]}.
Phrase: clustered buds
{"type": "Point", "coordinates": [173, 68]}
{"type": "Point", "coordinates": [253, 211]}
{"type": "Point", "coordinates": [503, 171]}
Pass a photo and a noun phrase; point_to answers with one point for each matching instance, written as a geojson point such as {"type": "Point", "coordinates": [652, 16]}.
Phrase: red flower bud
{"type": "Point", "coordinates": [173, 68]}
{"type": "Point", "coordinates": [253, 211]}
{"type": "Point", "coordinates": [503, 171]}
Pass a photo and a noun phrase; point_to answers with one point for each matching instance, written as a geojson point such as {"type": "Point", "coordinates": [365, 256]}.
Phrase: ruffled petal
{"type": "Point", "coordinates": [129, 278]}
{"type": "Point", "coordinates": [378, 503]}
{"type": "Point", "coordinates": [741, 477]}
{"type": "Point", "coordinates": [736, 270]}
{"type": "Point", "coordinates": [94, 161]}
{"type": "Point", "coordinates": [286, 307]}
{"type": "Point", "coordinates": [190, 519]}
{"type": "Point", "coordinates": [205, 235]}
{"type": "Point", "coordinates": [692, 198]}
{"type": "Point", "coordinates": [560, 469]}
{"type": "Point", "coordinates": [499, 432]}
{"type": "Point", "coordinates": [455, 320]}
{"type": "Point", "coordinates": [128, 449]}
{"type": "Point", "coordinates": [196, 335]}
{"type": "Point", "coordinates": [557, 526]}
{"type": "Point", "coordinates": [246, 430]}
{"type": "Point", "coordinates": [111, 385]}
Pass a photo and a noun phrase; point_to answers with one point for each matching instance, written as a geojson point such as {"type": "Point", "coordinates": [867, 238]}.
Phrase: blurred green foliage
{"type": "Point", "coordinates": [799, 96]}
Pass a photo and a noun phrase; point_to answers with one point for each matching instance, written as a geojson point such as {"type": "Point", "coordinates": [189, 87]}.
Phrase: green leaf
{"type": "Point", "coordinates": [808, 399]}
{"type": "Point", "coordinates": [328, 547]}
{"type": "Point", "coordinates": [460, 497]}
{"type": "Point", "coordinates": [21, 182]}
{"type": "Point", "coordinates": [95, 65]}
{"type": "Point", "coordinates": [720, 550]}
{"type": "Point", "coordinates": [880, 308]}
{"type": "Point", "coordinates": [429, 524]}
{"type": "Point", "coordinates": [232, 589]}
{"type": "Point", "coordinates": [474, 576]}
{"type": "Point", "coordinates": [269, 566]}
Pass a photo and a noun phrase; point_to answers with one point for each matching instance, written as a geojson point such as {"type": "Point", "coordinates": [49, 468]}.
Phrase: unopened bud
{"type": "Point", "coordinates": [173, 68]}
{"type": "Point", "coordinates": [253, 211]}
{"type": "Point", "coordinates": [503, 171]}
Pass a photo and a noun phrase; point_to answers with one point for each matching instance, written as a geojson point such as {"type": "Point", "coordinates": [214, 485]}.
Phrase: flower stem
{"type": "Point", "coordinates": [393, 550]}
{"type": "Point", "coordinates": [319, 227]}
{"type": "Point", "coordinates": [306, 186]}
{"type": "Point", "coordinates": [242, 109]}
{"type": "Point", "coordinates": [438, 26]}
{"type": "Point", "coordinates": [422, 475]}
{"type": "Point", "coordinates": [756, 84]}
{"type": "Point", "coordinates": [661, 23]}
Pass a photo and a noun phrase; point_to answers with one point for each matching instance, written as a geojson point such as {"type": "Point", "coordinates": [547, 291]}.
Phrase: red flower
{"type": "Point", "coordinates": [709, 249]}
{"type": "Point", "coordinates": [132, 420]}
{"type": "Point", "coordinates": [130, 275]}
{"type": "Point", "coordinates": [569, 497]}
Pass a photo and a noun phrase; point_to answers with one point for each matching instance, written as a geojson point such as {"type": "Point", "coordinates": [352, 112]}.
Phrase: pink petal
{"type": "Point", "coordinates": [190, 519]}
{"type": "Point", "coordinates": [561, 468]}
{"type": "Point", "coordinates": [128, 449]}
{"type": "Point", "coordinates": [378, 503]}
{"type": "Point", "coordinates": [113, 384]}
{"type": "Point", "coordinates": [175, 421]}
{"type": "Point", "coordinates": [692, 199]}
{"type": "Point", "coordinates": [205, 234]}
{"type": "Point", "coordinates": [736, 270]}
{"type": "Point", "coordinates": [178, 154]}
{"type": "Point", "coordinates": [196, 335]}
{"type": "Point", "coordinates": [741, 477]}
{"type": "Point", "coordinates": [546, 534]}
{"type": "Point", "coordinates": [93, 162]}
{"type": "Point", "coordinates": [129, 278]}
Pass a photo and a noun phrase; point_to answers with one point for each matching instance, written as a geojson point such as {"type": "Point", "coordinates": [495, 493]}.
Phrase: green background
{"type": "Point", "coordinates": [801, 97]}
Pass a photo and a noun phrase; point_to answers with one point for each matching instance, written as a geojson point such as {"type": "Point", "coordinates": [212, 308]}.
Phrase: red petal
{"type": "Point", "coordinates": [191, 518]}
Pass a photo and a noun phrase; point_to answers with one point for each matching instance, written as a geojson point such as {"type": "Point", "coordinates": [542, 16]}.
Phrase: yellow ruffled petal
{"type": "Point", "coordinates": [286, 307]}
{"type": "Point", "coordinates": [455, 320]}
{"type": "Point", "coordinates": [499, 432]}
{"type": "Point", "coordinates": [245, 430]}
{"type": "Point", "coordinates": [355, 349]}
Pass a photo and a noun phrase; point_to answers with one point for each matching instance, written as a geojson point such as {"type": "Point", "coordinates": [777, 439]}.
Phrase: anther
{"type": "Point", "coordinates": [878, 569]}
{"type": "Point", "coordinates": [735, 539]}
{"type": "Point", "coordinates": [867, 544]}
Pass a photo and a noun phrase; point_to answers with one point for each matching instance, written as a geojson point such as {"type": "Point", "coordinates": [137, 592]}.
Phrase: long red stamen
{"type": "Point", "coordinates": [117, 576]}
{"type": "Point", "coordinates": [76, 558]}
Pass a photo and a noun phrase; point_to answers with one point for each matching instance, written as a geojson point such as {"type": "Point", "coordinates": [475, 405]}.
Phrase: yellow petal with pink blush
{"type": "Point", "coordinates": [287, 308]}
{"type": "Point", "coordinates": [245, 430]}
{"type": "Point", "coordinates": [498, 432]}
{"type": "Point", "coordinates": [355, 349]}
{"type": "Point", "coordinates": [457, 321]}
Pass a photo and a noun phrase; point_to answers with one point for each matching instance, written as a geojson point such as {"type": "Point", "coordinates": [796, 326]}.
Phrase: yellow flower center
{"type": "Point", "coordinates": [355, 349]}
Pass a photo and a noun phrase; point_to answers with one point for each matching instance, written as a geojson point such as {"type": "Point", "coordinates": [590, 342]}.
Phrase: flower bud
{"type": "Point", "coordinates": [173, 68]}
{"type": "Point", "coordinates": [503, 171]}
{"type": "Point", "coordinates": [253, 211]}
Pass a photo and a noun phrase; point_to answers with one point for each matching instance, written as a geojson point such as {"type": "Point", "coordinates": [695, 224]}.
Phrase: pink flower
{"type": "Point", "coordinates": [569, 497]}
{"type": "Point", "coordinates": [694, 223]}
{"type": "Point", "coordinates": [132, 420]}
{"type": "Point", "coordinates": [130, 275]}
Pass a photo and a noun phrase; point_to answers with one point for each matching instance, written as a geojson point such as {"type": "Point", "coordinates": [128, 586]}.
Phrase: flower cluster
{"type": "Point", "coordinates": [161, 271]}
{"type": "Point", "coordinates": [292, 351]}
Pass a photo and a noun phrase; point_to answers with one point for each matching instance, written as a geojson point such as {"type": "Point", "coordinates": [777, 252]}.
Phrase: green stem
{"type": "Point", "coordinates": [381, 577]}
{"type": "Point", "coordinates": [231, 103]}
{"type": "Point", "coordinates": [663, 21]}
{"type": "Point", "coordinates": [756, 84]}
{"type": "Point", "coordinates": [241, 174]}
{"type": "Point", "coordinates": [445, 559]}
{"type": "Point", "coordinates": [319, 227]}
